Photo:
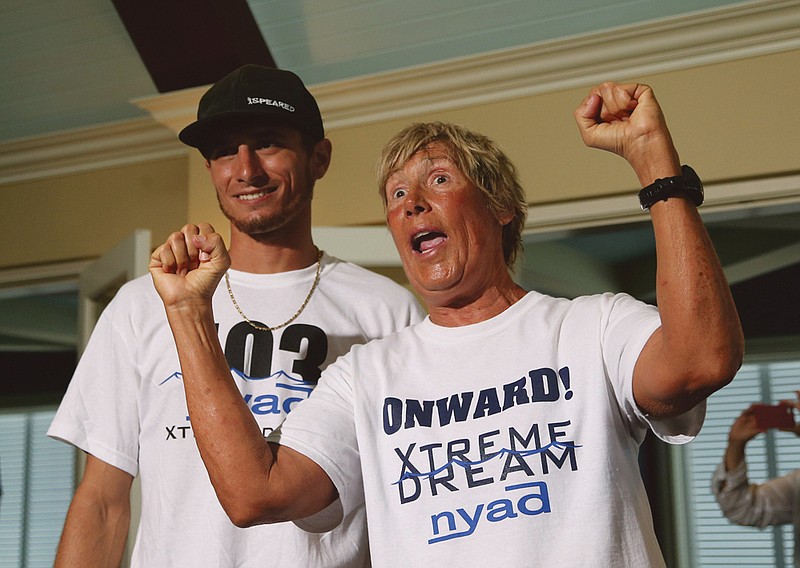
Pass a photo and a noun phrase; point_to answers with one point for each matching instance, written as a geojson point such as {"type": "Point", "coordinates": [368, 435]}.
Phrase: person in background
{"type": "Point", "coordinates": [283, 312]}
{"type": "Point", "coordinates": [504, 428]}
{"type": "Point", "coordinates": [774, 502]}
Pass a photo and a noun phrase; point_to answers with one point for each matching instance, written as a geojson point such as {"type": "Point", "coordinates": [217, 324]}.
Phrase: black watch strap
{"type": "Point", "coordinates": [687, 185]}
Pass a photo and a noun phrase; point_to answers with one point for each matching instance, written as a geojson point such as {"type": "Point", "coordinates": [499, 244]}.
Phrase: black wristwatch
{"type": "Point", "coordinates": [687, 184]}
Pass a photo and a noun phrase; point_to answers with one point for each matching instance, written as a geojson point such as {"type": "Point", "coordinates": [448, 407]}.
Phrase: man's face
{"type": "Point", "coordinates": [448, 240]}
{"type": "Point", "coordinates": [264, 176]}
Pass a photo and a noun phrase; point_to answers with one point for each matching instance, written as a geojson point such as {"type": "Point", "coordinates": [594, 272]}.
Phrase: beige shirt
{"type": "Point", "coordinates": [775, 502]}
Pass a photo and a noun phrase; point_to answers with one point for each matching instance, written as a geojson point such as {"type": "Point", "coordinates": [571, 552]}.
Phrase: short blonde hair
{"type": "Point", "coordinates": [478, 158]}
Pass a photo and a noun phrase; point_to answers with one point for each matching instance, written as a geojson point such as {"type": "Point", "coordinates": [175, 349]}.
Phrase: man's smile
{"type": "Point", "coordinates": [255, 195]}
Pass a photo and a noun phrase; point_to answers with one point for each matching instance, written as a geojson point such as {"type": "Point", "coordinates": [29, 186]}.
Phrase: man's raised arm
{"type": "Point", "coordinates": [699, 346]}
{"type": "Point", "coordinates": [255, 482]}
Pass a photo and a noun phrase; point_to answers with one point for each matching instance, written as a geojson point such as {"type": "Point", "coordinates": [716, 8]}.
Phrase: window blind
{"type": "Point", "coordinates": [37, 476]}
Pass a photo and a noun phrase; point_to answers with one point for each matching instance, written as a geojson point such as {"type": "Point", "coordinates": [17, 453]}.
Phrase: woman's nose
{"type": "Point", "coordinates": [415, 202]}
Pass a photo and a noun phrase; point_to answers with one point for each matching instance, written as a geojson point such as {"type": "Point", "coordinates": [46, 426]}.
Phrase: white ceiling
{"type": "Point", "coordinates": [66, 64]}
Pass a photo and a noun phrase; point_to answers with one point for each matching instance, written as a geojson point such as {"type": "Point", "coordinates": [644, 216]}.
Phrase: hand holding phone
{"type": "Point", "coordinates": [773, 416]}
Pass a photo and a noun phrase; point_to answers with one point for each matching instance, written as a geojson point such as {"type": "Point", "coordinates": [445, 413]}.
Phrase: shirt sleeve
{"type": "Point", "coordinates": [99, 412]}
{"type": "Point", "coordinates": [323, 429]}
{"type": "Point", "coordinates": [750, 504]}
{"type": "Point", "coordinates": [628, 326]}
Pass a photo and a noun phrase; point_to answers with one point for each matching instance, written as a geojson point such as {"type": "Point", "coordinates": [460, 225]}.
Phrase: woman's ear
{"type": "Point", "coordinates": [505, 217]}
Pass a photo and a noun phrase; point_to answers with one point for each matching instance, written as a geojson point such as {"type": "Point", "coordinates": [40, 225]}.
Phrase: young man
{"type": "Point", "coordinates": [505, 427]}
{"type": "Point", "coordinates": [284, 311]}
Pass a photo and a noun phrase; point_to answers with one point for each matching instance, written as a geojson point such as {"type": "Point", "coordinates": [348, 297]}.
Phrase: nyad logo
{"type": "Point", "coordinates": [528, 499]}
{"type": "Point", "coordinates": [274, 395]}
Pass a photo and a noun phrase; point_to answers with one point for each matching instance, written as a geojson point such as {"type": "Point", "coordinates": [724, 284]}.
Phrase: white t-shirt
{"type": "Point", "coordinates": [126, 405]}
{"type": "Point", "coordinates": [511, 442]}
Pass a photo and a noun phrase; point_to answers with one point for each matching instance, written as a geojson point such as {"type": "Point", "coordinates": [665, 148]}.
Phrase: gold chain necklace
{"type": "Point", "coordinates": [297, 313]}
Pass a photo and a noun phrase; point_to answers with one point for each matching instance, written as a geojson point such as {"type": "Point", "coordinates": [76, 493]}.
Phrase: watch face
{"type": "Point", "coordinates": [691, 179]}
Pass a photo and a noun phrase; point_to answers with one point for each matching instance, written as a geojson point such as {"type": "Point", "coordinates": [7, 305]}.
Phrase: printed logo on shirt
{"type": "Point", "coordinates": [516, 456]}
{"type": "Point", "coordinates": [269, 394]}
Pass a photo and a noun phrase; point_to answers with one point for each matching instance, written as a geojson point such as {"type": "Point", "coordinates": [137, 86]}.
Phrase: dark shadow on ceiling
{"type": "Point", "coordinates": [190, 43]}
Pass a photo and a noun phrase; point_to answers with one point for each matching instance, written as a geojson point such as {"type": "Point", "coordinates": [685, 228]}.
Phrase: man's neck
{"type": "Point", "coordinates": [271, 254]}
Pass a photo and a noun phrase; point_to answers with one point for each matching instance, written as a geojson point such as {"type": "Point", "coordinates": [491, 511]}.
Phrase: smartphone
{"type": "Point", "coordinates": [773, 416]}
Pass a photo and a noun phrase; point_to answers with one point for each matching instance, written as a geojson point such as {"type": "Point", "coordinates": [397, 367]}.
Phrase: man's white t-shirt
{"type": "Point", "coordinates": [126, 405]}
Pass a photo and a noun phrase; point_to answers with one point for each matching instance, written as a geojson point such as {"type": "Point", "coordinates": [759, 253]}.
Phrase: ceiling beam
{"type": "Point", "coordinates": [189, 43]}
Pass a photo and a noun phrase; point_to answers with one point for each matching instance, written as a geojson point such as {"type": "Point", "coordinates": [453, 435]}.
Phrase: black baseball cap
{"type": "Point", "coordinates": [254, 93]}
